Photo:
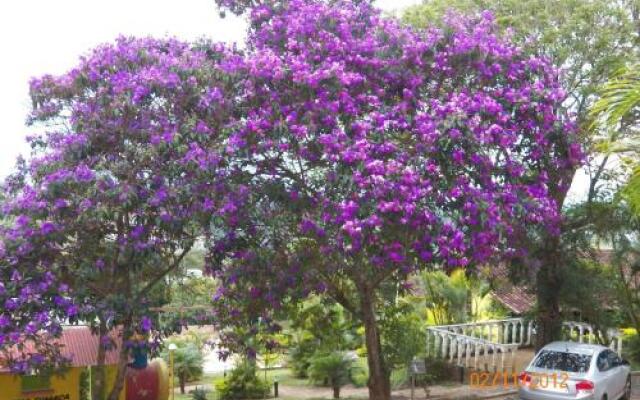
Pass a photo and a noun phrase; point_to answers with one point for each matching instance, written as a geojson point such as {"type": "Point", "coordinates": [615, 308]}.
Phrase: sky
{"type": "Point", "coordinates": [46, 37]}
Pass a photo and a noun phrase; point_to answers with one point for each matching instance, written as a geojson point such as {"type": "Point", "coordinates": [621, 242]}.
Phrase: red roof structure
{"type": "Point", "coordinates": [518, 299]}
{"type": "Point", "coordinates": [81, 346]}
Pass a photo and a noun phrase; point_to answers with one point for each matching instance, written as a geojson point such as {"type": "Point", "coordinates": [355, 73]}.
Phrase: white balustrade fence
{"type": "Point", "coordinates": [493, 345]}
{"type": "Point", "coordinates": [485, 344]}
{"type": "Point", "coordinates": [582, 332]}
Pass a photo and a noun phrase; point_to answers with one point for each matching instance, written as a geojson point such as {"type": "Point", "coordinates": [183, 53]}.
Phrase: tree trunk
{"type": "Point", "coordinates": [379, 384]}
{"type": "Point", "coordinates": [336, 392]}
{"type": "Point", "coordinates": [123, 360]}
{"type": "Point", "coordinates": [98, 377]}
{"type": "Point", "coordinates": [548, 289]}
{"type": "Point", "coordinates": [183, 381]}
{"type": "Point", "coordinates": [548, 279]}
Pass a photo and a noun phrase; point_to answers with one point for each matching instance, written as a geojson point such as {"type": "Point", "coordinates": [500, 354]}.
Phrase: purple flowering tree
{"type": "Point", "coordinates": [129, 165]}
{"type": "Point", "coordinates": [337, 155]}
{"type": "Point", "coordinates": [377, 151]}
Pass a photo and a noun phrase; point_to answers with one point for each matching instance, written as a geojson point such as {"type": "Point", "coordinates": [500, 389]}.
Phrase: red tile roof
{"type": "Point", "coordinates": [519, 298]}
{"type": "Point", "coordinates": [516, 298]}
{"type": "Point", "coordinates": [81, 346]}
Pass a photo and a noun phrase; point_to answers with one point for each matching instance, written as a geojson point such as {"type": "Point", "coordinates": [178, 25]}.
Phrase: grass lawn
{"type": "Point", "coordinates": [187, 396]}
{"type": "Point", "coordinates": [283, 375]}
{"type": "Point", "coordinates": [207, 379]}
{"type": "Point", "coordinates": [323, 398]}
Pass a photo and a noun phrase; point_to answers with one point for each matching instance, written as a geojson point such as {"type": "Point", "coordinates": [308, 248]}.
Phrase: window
{"type": "Point", "coordinates": [562, 361]}
{"type": "Point", "coordinates": [614, 360]}
{"type": "Point", "coordinates": [603, 362]}
{"type": "Point", "coordinates": [35, 383]}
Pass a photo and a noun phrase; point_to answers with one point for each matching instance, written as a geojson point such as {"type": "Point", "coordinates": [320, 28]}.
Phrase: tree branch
{"type": "Point", "coordinates": [164, 273]}
{"type": "Point", "coordinates": [339, 296]}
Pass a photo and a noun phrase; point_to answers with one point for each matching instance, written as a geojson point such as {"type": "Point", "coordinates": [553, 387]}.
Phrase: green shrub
{"type": "Point", "coordinates": [438, 370]}
{"type": "Point", "coordinates": [300, 357]}
{"type": "Point", "coordinates": [199, 394]}
{"type": "Point", "coordinates": [402, 334]}
{"type": "Point", "coordinates": [242, 383]}
{"type": "Point", "coordinates": [332, 369]}
{"type": "Point", "coordinates": [360, 373]}
{"type": "Point", "coordinates": [631, 347]}
{"type": "Point", "coordinates": [319, 327]}
{"type": "Point", "coordinates": [399, 377]}
{"type": "Point", "coordinates": [84, 385]}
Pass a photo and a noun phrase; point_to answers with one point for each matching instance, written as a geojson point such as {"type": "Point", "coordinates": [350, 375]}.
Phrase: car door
{"type": "Point", "coordinates": [619, 373]}
{"type": "Point", "coordinates": [605, 377]}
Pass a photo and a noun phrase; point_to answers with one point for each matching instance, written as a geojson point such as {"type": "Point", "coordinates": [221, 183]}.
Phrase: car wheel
{"type": "Point", "coordinates": [627, 389]}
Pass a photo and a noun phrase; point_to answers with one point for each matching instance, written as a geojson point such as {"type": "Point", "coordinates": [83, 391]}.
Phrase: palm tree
{"type": "Point", "coordinates": [187, 363]}
{"type": "Point", "coordinates": [620, 97]}
{"type": "Point", "coordinates": [617, 112]}
{"type": "Point", "coordinates": [332, 368]}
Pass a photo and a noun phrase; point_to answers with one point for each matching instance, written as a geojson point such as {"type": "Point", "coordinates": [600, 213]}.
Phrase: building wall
{"type": "Point", "coordinates": [65, 387]}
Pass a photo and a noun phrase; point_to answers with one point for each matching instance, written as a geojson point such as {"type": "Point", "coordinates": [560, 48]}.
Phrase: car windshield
{"type": "Point", "coordinates": [561, 361]}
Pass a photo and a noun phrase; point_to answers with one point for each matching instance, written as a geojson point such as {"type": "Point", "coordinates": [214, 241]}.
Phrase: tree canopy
{"type": "Point", "coordinates": [389, 149]}
{"type": "Point", "coordinates": [128, 164]}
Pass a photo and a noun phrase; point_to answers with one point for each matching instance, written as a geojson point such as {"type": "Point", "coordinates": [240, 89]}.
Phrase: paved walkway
{"type": "Point", "coordinates": [456, 391]}
{"type": "Point", "coordinates": [352, 392]}
{"type": "Point", "coordinates": [635, 386]}
{"type": "Point", "coordinates": [635, 390]}
{"type": "Point", "coordinates": [436, 392]}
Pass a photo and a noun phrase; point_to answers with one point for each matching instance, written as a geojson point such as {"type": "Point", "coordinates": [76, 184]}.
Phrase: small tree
{"type": "Point", "coordinates": [445, 296]}
{"type": "Point", "coordinates": [619, 111]}
{"type": "Point", "coordinates": [188, 363]}
{"type": "Point", "coordinates": [319, 326]}
{"type": "Point", "coordinates": [332, 368]}
{"type": "Point", "coordinates": [402, 333]}
{"type": "Point", "coordinates": [242, 383]}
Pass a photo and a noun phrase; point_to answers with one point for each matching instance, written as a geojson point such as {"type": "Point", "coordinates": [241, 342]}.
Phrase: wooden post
{"type": "Point", "coordinates": [413, 386]}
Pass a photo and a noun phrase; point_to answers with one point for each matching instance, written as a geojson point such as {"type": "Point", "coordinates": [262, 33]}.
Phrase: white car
{"type": "Point", "coordinates": [569, 370]}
